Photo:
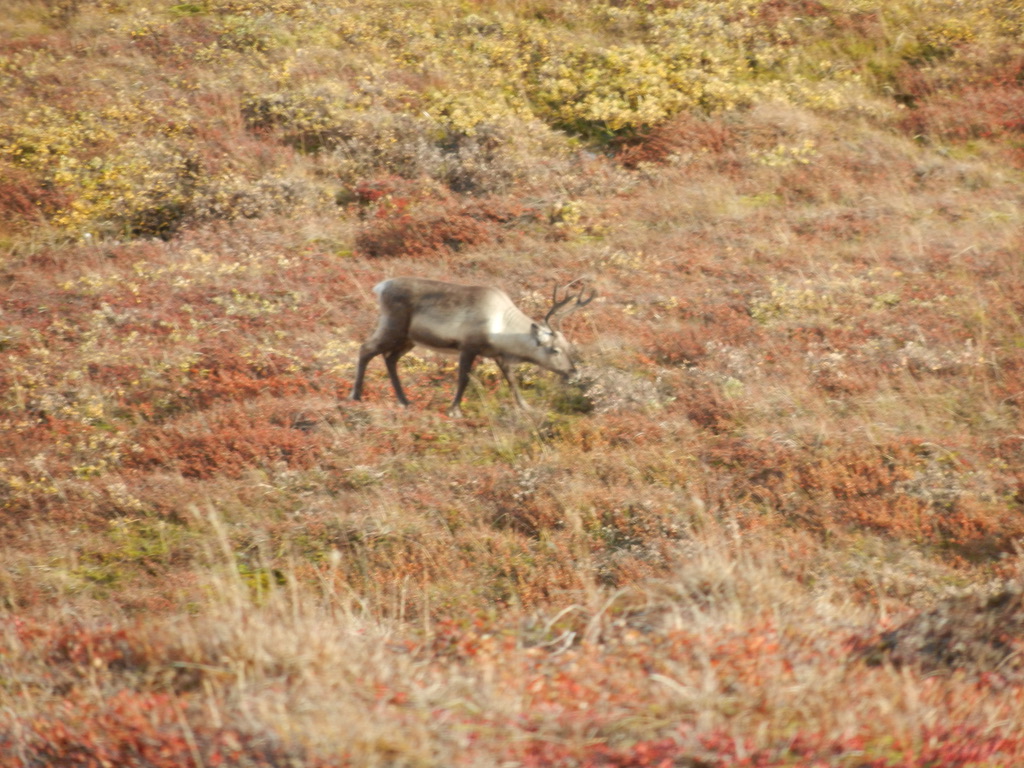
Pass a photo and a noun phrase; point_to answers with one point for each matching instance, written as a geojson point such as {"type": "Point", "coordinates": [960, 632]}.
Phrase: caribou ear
{"type": "Point", "coordinates": [542, 335]}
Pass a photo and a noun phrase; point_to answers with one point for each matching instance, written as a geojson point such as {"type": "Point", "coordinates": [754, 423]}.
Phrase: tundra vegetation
{"type": "Point", "coordinates": [776, 523]}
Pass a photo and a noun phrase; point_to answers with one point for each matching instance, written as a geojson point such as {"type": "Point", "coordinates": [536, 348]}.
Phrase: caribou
{"type": "Point", "coordinates": [468, 320]}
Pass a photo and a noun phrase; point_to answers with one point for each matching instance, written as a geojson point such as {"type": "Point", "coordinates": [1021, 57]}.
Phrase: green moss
{"type": "Point", "coordinates": [188, 9]}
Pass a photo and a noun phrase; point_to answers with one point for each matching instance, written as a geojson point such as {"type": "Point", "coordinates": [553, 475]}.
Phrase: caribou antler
{"type": "Point", "coordinates": [557, 304]}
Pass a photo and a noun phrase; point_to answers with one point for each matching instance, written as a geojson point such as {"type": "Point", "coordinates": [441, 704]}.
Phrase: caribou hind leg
{"type": "Point", "coordinates": [391, 361]}
{"type": "Point", "coordinates": [366, 354]}
{"type": "Point", "coordinates": [391, 340]}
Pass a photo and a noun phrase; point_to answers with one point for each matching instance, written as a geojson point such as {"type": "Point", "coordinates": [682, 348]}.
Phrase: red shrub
{"type": "Point", "coordinates": [684, 346]}
{"type": "Point", "coordinates": [224, 375]}
{"type": "Point", "coordinates": [890, 488]}
{"type": "Point", "coordinates": [407, 235]}
{"type": "Point", "coordinates": [774, 11]}
{"type": "Point", "coordinates": [432, 232]}
{"type": "Point", "coordinates": [133, 728]}
{"type": "Point", "coordinates": [984, 102]}
{"type": "Point", "coordinates": [230, 441]}
{"type": "Point", "coordinates": [684, 134]}
{"type": "Point", "coordinates": [369, 191]}
{"type": "Point", "coordinates": [979, 113]}
{"type": "Point", "coordinates": [22, 197]}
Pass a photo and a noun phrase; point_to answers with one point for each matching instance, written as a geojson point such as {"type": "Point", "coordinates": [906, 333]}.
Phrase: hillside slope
{"type": "Point", "coordinates": [775, 521]}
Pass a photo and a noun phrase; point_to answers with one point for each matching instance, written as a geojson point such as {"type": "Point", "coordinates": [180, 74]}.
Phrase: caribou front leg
{"type": "Point", "coordinates": [510, 377]}
{"type": "Point", "coordinates": [466, 359]}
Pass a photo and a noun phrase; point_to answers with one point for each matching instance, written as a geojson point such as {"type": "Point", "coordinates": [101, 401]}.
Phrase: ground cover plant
{"type": "Point", "coordinates": [776, 520]}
